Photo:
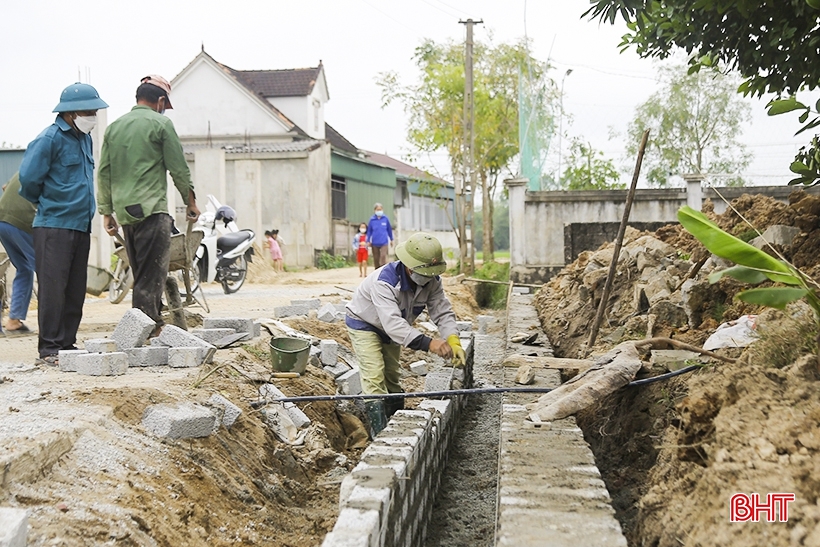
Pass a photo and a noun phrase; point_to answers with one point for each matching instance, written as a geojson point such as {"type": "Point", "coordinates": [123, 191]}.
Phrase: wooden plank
{"type": "Point", "coordinates": [547, 362]}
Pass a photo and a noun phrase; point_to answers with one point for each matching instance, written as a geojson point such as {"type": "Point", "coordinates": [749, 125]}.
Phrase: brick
{"type": "Point", "coordinates": [133, 330]}
{"type": "Point", "coordinates": [229, 412]}
{"type": "Point", "coordinates": [437, 381]}
{"type": "Point", "coordinates": [289, 311]}
{"type": "Point", "coordinates": [464, 325]}
{"type": "Point", "coordinates": [101, 345]}
{"type": "Point", "coordinates": [327, 313]}
{"type": "Point", "coordinates": [337, 370]}
{"type": "Point", "coordinates": [13, 527]}
{"type": "Point", "coordinates": [175, 337]}
{"type": "Point", "coordinates": [419, 368]}
{"type": "Point", "coordinates": [236, 323]}
{"type": "Point", "coordinates": [102, 364]}
{"type": "Point", "coordinates": [184, 357]}
{"type": "Point", "coordinates": [311, 304]}
{"type": "Point", "coordinates": [147, 356]}
{"type": "Point", "coordinates": [180, 421]}
{"type": "Point", "coordinates": [330, 352]}
{"type": "Point", "coordinates": [214, 335]}
{"type": "Point", "coordinates": [68, 359]}
{"type": "Point", "coordinates": [350, 383]}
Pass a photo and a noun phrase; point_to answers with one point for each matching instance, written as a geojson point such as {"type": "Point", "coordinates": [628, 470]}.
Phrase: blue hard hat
{"type": "Point", "coordinates": [79, 97]}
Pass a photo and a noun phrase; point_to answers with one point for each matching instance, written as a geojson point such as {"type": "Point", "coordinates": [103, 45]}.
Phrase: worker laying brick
{"type": "Point", "coordinates": [380, 320]}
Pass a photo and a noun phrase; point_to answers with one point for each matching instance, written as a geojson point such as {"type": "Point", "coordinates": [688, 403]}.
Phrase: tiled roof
{"type": "Point", "coordinates": [336, 140]}
{"type": "Point", "coordinates": [293, 82]}
{"type": "Point", "coordinates": [294, 146]}
{"type": "Point", "coordinates": [402, 168]}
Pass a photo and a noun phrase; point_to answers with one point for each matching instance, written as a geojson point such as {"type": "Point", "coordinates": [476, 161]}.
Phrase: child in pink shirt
{"type": "Point", "coordinates": [275, 251]}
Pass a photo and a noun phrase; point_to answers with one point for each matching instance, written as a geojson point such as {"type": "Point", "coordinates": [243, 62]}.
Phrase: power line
{"type": "Point", "coordinates": [438, 8]}
{"type": "Point", "coordinates": [392, 18]}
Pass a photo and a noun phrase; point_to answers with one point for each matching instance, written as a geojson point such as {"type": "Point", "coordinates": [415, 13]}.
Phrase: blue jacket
{"type": "Point", "coordinates": [57, 174]}
{"type": "Point", "coordinates": [379, 231]}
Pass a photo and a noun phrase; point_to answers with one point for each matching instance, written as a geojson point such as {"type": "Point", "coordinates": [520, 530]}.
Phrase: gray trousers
{"type": "Point", "coordinates": [61, 262]}
{"type": "Point", "coordinates": [148, 244]}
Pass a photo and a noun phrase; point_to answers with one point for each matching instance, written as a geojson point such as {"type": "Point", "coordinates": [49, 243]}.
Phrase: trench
{"type": "Point", "coordinates": [464, 512]}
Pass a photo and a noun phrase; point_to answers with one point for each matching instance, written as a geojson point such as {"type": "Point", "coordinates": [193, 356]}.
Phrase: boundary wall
{"type": "Point", "coordinates": [387, 500]}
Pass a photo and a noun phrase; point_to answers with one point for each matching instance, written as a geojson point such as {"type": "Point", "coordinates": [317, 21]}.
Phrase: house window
{"type": "Point", "coordinates": [338, 189]}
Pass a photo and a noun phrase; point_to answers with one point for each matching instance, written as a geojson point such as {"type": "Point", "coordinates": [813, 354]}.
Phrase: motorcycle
{"type": "Point", "coordinates": [225, 250]}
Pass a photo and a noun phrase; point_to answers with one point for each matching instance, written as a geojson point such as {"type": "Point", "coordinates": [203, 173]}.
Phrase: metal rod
{"type": "Point", "coordinates": [593, 334]}
{"type": "Point", "coordinates": [412, 395]}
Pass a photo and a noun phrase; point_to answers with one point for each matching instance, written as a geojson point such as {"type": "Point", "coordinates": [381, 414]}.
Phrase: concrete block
{"type": "Point", "coordinates": [342, 308]}
{"type": "Point", "coordinates": [437, 381]}
{"type": "Point", "coordinates": [310, 303]}
{"type": "Point", "coordinates": [464, 326]}
{"type": "Point", "coordinates": [257, 326]}
{"type": "Point", "coordinates": [175, 337]}
{"type": "Point", "coordinates": [350, 383]}
{"type": "Point", "coordinates": [102, 364]}
{"type": "Point", "coordinates": [672, 359]}
{"type": "Point", "coordinates": [270, 392]}
{"type": "Point", "coordinates": [289, 311]}
{"type": "Point", "coordinates": [68, 359]}
{"type": "Point", "coordinates": [133, 330]}
{"type": "Point", "coordinates": [148, 356]}
{"type": "Point", "coordinates": [330, 352]}
{"type": "Point", "coordinates": [327, 313]}
{"type": "Point", "coordinates": [776, 235]}
{"type": "Point", "coordinates": [13, 527]}
{"type": "Point", "coordinates": [299, 418]}
{"type": "Point", "coordinates": [337, 370]}
{"type": "Point", "coordinates": [157, 343]}
{"type": "Point", "coordinates": [184, 357]}
{"type": "Point", "coordinates": [484, 321]}
{"type": "Point", "coordinates": [346, 538]}
{"type": "Point", "coordinates": [521, 290]}
{"type": "Point", "coordinates": [213, 335]}
{"type": "Point", "coordinates": [180, 421]}
{"type": "Point", "coordinates": [419, 368]}
{"type": "Point", "coordinates": [229, 411]}
{"type": "Point", "coordinates": [236, 323]}
{"type": "Point", "coordinates": [101, 345]}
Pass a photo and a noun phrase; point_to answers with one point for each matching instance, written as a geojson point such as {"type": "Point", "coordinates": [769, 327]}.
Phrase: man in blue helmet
{"type": "Point", "coordinates": [57, 175]}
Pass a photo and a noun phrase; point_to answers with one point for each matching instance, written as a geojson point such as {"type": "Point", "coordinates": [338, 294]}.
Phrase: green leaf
{"type": "Point", "coordinates": [803, 117]}
{"type": "Point", "coordinates": [774, 297]}
{"type": "Point", "coordinates": [811, 125]}
{"type": "Point", "coordinates": [741, 273]}
{"type": "Point", "coordinates": [799, 167]}
{"type": "Point", "coordinates": [781, 106]}
{"type": "Point", "coordinates": [728, 246]}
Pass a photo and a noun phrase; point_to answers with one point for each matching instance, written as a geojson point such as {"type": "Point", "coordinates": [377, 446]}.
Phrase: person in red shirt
{"type": "Point", "coordinates": [360, 244]}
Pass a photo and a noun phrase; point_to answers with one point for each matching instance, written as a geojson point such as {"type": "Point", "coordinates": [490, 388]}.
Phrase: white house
{"type": "Point", "coordinates": [255, 139]}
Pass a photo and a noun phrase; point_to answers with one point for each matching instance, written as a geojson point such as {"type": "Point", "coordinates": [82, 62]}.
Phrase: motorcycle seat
{"type": "Point", "coordinates": [232, 240]}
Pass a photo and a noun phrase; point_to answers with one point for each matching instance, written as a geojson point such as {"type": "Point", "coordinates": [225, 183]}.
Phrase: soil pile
{"type": "Point", "coordinates": [673, 453]}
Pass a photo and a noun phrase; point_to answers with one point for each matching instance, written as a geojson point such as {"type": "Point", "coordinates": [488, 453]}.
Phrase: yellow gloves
{"type": "Point", "coordinates": [459, 357]}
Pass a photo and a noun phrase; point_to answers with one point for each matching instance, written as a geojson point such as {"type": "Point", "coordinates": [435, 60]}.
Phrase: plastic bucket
{"type": "Point", "coordinates": [289, 354]}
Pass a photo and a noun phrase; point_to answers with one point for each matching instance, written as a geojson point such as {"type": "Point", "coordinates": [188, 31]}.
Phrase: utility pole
{"type": "Point", "coordinates": [467, 187]}
{"type": "Point", "coordinates": [561, 125]}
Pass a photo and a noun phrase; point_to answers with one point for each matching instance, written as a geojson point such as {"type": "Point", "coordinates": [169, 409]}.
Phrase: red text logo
{"type": "Point", "coordinates": [754, 508]}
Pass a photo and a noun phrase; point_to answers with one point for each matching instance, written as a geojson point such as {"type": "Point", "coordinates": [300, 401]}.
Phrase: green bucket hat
{"type": "Point", "coordinates": [77, 97]}
{"type": "Point", "coordinates": [422, 254]}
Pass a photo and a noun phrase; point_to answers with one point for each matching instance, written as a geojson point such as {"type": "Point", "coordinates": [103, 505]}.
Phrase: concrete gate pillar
{"type": "Point", "coordinates": [517, 189]}
{"type": "Point", "coordinates": [694, 191]}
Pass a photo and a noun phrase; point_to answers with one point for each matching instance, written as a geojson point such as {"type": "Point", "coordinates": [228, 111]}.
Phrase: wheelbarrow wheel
{"type": "Point", "coordinates": [194, 275]}
{"type": "Point", "coordinates": [121, 282]}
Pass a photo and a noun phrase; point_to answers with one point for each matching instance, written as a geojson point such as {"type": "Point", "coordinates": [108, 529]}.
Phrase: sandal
{"type": "Point", "coordinates": [48, 360]}
{"type": "Point", "coordinates": [22, 330]}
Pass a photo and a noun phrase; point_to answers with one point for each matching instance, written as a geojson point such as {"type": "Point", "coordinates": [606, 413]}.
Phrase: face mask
{"type": "Point", "coordinates": [85, 123]}
{"type": "Point", "coordinates": [379, 213]}
{"type": "Point", "coordinates": [363, 230]}
{"type": "Point", "coordinates": [161, 109]}
{"type": "Point", "coordinates": [420, 280]}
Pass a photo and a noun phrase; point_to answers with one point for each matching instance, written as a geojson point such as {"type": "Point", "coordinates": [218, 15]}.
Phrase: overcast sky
{"type": "Point", "coordinates": [47, 44]}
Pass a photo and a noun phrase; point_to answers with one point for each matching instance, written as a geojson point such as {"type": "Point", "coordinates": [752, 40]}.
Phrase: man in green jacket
{"type": "Point", "coordinates": [138, 150]}
{"type": "Point", "coordinates": [16, 216]}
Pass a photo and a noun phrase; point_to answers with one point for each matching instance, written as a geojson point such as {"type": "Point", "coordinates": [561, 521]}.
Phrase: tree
{"type": "Point", "coordinates": [434, 105]}
{"type": "Point", "coordinates": [773, 45]}
{"type": "Point", "coordinates": [695, 120]}
{"type": "Point", "coordinates": [588, 169]}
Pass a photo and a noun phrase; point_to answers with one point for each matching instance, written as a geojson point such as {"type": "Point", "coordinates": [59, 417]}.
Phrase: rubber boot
{"type": "Point", "coordinates": [376, 417]}
{"type": "Point", "coordinates": [392, 405]}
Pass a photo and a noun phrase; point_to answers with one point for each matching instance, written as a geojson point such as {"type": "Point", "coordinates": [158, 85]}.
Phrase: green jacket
{"type": "Point", "coordinates": [14, 208]}
{"type": "Point", "coordinates": [138, 150]}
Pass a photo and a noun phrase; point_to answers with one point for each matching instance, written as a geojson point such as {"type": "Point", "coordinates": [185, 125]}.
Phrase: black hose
{"type": "Point", "coordinates": [666, 376]}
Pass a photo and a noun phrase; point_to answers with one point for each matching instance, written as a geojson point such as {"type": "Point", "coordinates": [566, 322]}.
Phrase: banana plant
{"type": "Point", "coordinates": [752, 266]}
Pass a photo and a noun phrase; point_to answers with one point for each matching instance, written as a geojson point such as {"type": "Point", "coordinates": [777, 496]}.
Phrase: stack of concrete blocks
{"type": "Point", "coordinates": [269, 392]}
{"type": "Point", "coordinates": [179, 421]}
{"type": "Point", "coordinates": [236, 323]}
{"type": "Point", "coordinates": [329, 313]}
{"type": "Point", "coordinates": [131, 334]}
{"type": "Point", "coordinates": [13, 527]}
{"type": "Point", "coordinates": [350, 382]}
{"type": "Point", "coordinates": [185, 349]}
{"type": "Point", "coordinates": [388, 497]}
